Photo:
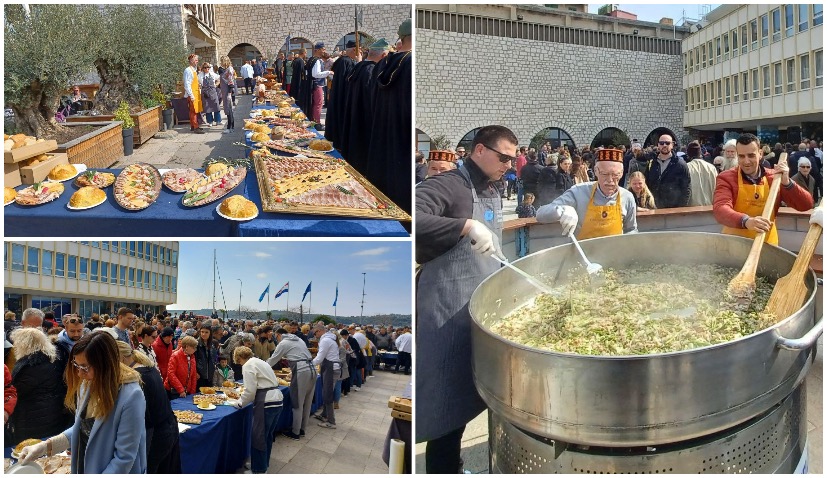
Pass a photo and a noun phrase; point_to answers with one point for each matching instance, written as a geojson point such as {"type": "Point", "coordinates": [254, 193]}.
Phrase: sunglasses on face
{"type": "Point", "coordinates": [82, 368]}
{"type": "Point", "coordinates": [663, 143]}
{"type": "Point", "coordinates": [804, 167]}
{"type": "Point", "coordinates": [504, 158]}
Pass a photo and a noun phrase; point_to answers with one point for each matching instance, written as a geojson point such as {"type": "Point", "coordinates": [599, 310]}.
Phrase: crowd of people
{"type": "Point", "coordinates": [119, 375]}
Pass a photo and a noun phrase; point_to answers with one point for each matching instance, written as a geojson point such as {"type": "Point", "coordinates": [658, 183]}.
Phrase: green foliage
{"type": "Point", "coordinates": [440, 142]}
{"type": "Point", "coordinates": [620, 138]}
{"type": "Point", "coordinates": [123, 114]}
{"type": "Point", "coordinates": [326, 319]}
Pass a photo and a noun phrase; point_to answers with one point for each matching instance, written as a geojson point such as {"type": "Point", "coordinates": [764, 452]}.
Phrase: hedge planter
{"type": "Point", "coordinates": [147, 123]}
{"type": "Point", "coordinates": [98, 149]}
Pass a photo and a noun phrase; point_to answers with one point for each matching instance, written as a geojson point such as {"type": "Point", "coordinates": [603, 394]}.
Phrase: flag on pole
{"type": "Point", "coordinates": [284, 288]}
{"type": "Point", "coordinates": [263, 294]}
{"type": "Point", "coordinates": [307, 291]}
{"type": "Point", "coordinates": [337, 296]}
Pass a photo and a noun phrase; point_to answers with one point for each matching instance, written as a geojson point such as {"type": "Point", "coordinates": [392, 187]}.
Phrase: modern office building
{"type": "Point", "coordinates": [755, 68]}
{"type": "Point", "coordinates": [89, 276]}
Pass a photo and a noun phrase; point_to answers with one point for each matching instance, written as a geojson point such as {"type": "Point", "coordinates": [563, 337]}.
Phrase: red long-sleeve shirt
{"type": "Point", "coordinates": [726, 193]}
{"type": "Point", "coordinates": [9, 392]}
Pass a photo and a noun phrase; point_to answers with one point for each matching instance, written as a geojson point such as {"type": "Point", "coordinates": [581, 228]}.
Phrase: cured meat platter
{"type": "Point", "coordinates": [289, 147]}
{"type": "Point", "coordinates": [137, 186]}
{"type": "Point", "coordinates": [39, 193]}
{"type": "Point", "coordinates": [180, 180]}
{"type": "Point", "coordinates": [95, 179]}
{"type": "Point", "coordinates": [212, 188]}
{"type": "Point", "coordinates": [327, 186]}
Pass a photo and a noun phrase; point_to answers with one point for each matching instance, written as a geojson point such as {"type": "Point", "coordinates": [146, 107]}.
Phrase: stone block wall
{"type": "Point", "coordinates": [266, 26]}
{"type": "Point", "coordinates": [465, 81]}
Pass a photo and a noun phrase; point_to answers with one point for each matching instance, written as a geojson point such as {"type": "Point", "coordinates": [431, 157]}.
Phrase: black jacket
{"type": "Point", "coordinates": [546, 187]}
{"type": "Point", "coordinates": [530, 174]}
{"type": "Point", "coordinates": [564, 182]}
{"type": "Point", "coordinates": [360, 356]}
{"type": "Point", "coordinates": [40, 392]}
{"type": "Point", "coordinates": [670, 189]}
{"type": "Point", "coordinates": [205, 359]}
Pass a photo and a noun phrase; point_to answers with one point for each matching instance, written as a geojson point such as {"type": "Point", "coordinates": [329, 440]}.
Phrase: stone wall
{"type": "Point", "coordinates": [267, 26]}
{"type": "Point", "coordinates": [465, 81]}
{"type": "Point", "coordinates": [174, 12]}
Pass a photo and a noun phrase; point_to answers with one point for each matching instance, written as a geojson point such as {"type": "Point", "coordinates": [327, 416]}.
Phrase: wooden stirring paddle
{"type": "Point", "coordinates": [742, 286]}
{"type": "Point", "coordinates": [789, 292]}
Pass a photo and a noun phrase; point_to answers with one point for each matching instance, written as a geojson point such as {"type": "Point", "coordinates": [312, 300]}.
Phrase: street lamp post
{"type": "Point", "coordinates": [241, 284]}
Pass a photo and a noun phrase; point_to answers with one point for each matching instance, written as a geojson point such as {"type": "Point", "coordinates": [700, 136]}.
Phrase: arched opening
{"type": "Point", "coordinates": [423, 142]}
{"type": "Point", "coordinates": [554, 136]}
{"type": "Point", "coordinates": [466, 140]}
{"type": "Point", "coordinates": [652, 138]}
{"type": "Point", "coordinates": [241, 53]}
{"type": "Point", "coordinates": [365, 40]}
{"type": "Point", "coordinates": [611, 137]}
{"type": "Point", "coordinates": [297, 44]}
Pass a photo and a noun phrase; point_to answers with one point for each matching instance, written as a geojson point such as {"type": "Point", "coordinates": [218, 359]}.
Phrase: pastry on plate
{"type": "Point", "coordinates": [87, 196]}
{"type": "Point", "coordinates": [62, 172]}
{"type": "Point", "coordinates": [8, 194]}
{"type": "Point", "coordinates": [238, 207]}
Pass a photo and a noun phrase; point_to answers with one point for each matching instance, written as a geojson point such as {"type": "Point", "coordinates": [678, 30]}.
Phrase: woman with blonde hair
{"type": "Point", "coordinates": [638, 188]}
{"type": "Point", "coordinates": [182, 375]}
{"type": "Point", "coordinates": [227, 82]}
{"type": "Point", "coordinates": [106, 397]}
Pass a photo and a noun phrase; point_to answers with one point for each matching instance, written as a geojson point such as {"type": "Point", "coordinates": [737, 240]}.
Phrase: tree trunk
{"type": "Point", "coordinates": [115, 87]}
{"type": "Point", "coordinates": [33, 122]}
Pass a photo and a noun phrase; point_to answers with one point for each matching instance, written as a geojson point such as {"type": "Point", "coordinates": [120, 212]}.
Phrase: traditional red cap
{"type": "Point", "coordinates": [614, 155]}
{"type": "Point", "coordinates": [442, 155]}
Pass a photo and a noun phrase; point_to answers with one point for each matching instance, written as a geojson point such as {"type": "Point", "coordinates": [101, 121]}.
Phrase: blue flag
{"type": "Point", "coordinates": [307, 291]}
{"type": "Point", "coordinates": [337, 296]}
{"type": "Point", "coordinates": [264, 294]}
{"type": "Point", "coordinates": [284, 288]}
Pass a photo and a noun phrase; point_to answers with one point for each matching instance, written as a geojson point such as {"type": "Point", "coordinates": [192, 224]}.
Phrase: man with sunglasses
{"type": "Point", "coordinates": [597, 208]}
{"type": "Point", "coordinates": [458, 227]}
{"type": "Point", "coordinates": [668, 176]}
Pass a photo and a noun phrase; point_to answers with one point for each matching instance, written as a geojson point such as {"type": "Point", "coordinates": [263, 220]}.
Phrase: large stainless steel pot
{"type": "Point", "coordinates": [638, 400]}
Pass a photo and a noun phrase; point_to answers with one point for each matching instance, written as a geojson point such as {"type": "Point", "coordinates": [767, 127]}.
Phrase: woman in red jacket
{"type": "Point", "coordinates": [9, 395]}
{"type": "Point", "coordinates": [181, 373]}
{"type": "Point", "coordinates": [163, 350]}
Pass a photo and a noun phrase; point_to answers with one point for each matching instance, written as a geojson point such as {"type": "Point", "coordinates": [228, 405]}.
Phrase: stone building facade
{"type": "Point", "coordinates": [581, 75]}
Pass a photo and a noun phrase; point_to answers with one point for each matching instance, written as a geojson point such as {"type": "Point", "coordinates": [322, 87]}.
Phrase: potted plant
{"type": "Point", "coordinates": [166, 108]}
{"type": "Point", "coordinates": [127, 127]}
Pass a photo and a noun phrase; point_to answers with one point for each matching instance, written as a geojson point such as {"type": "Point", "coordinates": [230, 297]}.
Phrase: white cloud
{"type": "Point", "coordinates": [378, 266]}
{"type": "Point", "coordinates": [262, 255]}
{"type": "Point", "coordinates": [261, 275]}
{"type": "Point", "coordinates": [378, 251]}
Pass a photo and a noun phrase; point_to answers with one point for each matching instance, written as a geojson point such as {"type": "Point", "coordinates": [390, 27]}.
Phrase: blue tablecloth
{"type": "Point", "coordinates": [389, 358]}
{"type": "Point", "coordinates": [220, 444]}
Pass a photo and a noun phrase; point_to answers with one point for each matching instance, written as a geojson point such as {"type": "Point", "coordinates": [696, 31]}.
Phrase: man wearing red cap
{"type": "Point", "coordinates": [440, 161]}
{"type": "Point", "coordinates": [596, 208]}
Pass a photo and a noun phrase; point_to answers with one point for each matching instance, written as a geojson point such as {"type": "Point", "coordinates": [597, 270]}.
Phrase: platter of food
{"type": "Point", "coordinates": [326, 186]}
{"type": "Point", "coordinates": [179, 180]}
{"type": "Point", "coordinates": [207, 390]}
{"type": "Point", "coordinates": [94, 178]}
{"type": "Point", "coordinates": [237, 208]}
{"type": "Point", "coordinates": [215, 399]}
{"type": "Point", "coordinates": [289, 147]}
{"type": "Point", "coordinates": [86, 197]}
{"type": "Point", "coordinates": [137, 186]}
{"type": "Point", "coordinates": [15, 453]}
{"type": "Point", "coordinates": [8, 195]}
{"type": "Point", "coordinates": [65, 172]}
{"type": "Point", "coordinates": [188, 416]}
{"type": "Point", "coordinates": [206, 406]}
{"type": "Point", "coordinates": [39, 193]}
{"type": "Point", "coordinates": [214, 186]}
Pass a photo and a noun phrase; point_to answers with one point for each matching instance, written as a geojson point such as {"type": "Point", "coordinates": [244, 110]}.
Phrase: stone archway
{"type": "Point", "coordinates": [652, 138]}
{"type": "Point", "coordinates": [242, 52]}
{"type": "Point", "coordinates": [423, 142]}
{"type": "Point", "coordinates": [297, 43]}
{"type": "Point", "coordinates": [555, 136]}
{"type": "Point", "coordinates": [467, 139]}
{"type": "Point", "coordinates": [610, 136]}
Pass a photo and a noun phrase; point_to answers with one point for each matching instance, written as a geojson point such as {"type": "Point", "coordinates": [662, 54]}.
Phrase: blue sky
{"type": "Point", "coordinates": [387, 264]}
{"type": "Point", "coordinates": [654, 12]}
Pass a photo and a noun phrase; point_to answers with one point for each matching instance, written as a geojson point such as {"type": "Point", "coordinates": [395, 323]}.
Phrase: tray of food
{"type": "Point", "coordinates": [237, 208]}
{"type": "Point", "coordinates": [39, 193]}
{"type": "Point", "coordinates": [215, 399]}
{"type": "Point", "coordinates": [179, 180]}
{"type": "Point", "coordinates": [137, 186]}
{"type": "Point", "coordinates": [287, 146]}
{"type": "Point", "coordinates": [207, 390]}
{"type": "Point", "coordinates": [220, 181]}
{"type": "Point", "coordinates": [8, 195]}
{"type": "Point", "coordinates": [319, 186]}
{"type": "Point", "coordinates": [94, 178]}
{"type": "Point", "coordinates": [86, 197]}
{"type": "Point", "coordinates": [188, 416]}
{"type": "Point", "coordinates": [65, 172]}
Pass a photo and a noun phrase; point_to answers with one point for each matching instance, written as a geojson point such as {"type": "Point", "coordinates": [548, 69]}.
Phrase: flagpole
{"type": "Point", "coordinates": [288, 300]}
{"type": "Point", "coordinates": [335, 314]}
{"type": "Point", "coordinates": [310, 306]}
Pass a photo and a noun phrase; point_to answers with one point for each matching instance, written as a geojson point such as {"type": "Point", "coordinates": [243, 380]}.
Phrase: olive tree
{"type": "Point", "coordinates": [45, 51]}
{"type": "Point", "coordinates": [140, 50]}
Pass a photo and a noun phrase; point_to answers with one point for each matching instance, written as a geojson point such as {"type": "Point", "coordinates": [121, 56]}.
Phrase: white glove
{"type": "Point", "coordinates": [817, 217]}
{"type": "Point", "coordinates": [32, 452]}
{"type": "Point", "coordinates": [483, 240]}
{"type": "Point", "coordinates": [568, 219]}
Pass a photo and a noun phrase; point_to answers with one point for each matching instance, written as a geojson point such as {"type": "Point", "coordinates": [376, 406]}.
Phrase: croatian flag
{"type": "Point", "coordinates": [337, 296]}
{"type": "Point", "coordinates": [283, 289]}
{"type": "Point", "coordinates": [307, 291]}
{"type": "Point", "coordinates": [264, 294]}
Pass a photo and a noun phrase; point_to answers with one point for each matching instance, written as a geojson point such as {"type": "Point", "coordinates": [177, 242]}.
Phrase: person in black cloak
{"type": "Point", "coordinates": [297, 82]}
{"type": "Point", "coordinates": [356, 125]}
{"type": "Point", "coordinates": [391, 148]}
{"type": "Point", "coordinates": [336, 112]}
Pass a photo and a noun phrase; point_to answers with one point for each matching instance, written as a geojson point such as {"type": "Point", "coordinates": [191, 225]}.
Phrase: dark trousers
{"type": "Point", "coordinates": [442, 455]}
{"type": "Point", "coordinates": [164, 455]}
{"type": "Point", "coordinates": [328, 387]}
{"type": "Point", "coordinates": [248, 85]}
{"type": "Point", "coordinates": [512, 187]}
{"type": "Point", "coordinates": [403, 360]}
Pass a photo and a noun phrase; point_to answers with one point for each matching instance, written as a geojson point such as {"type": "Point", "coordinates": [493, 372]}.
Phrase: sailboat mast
{"type": "Point", "coordinates": [214, 264]}
{"type": "Point", "coordinates": [362, 313]}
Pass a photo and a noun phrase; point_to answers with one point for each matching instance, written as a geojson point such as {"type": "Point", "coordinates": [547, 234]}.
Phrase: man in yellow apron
{"type": "Point", "coordinates": [192, 92]}
{"type": "Point", "coordinates": [741, 192]}
{"type": "Point", "coordinates": [596, 208]}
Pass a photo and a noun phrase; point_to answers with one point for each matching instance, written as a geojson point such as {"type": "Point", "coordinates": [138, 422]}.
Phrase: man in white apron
{"type": "Point", "coordinates": [458, 228]}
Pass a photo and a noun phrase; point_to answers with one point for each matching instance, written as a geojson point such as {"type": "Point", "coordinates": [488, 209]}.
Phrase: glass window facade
{"type": "Point", "coordinates": [47, 266]}
{"type": "Point", "coordinates": [18, 257]}
{"type": "Point", "coordinates": [60, 264]}
{"type": "Point", "coordinates": [33, 265]}
{"type": "Point", "coordinates": [57, 305]}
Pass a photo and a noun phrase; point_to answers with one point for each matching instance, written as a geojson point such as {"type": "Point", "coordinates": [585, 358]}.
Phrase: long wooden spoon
{"type": "Point", "coordinates": [789, 292]}
{"type": "Point", "coordinates": [742, 286]}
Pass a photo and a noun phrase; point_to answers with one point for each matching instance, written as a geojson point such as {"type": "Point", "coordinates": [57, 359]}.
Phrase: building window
{"type": "Point", "coordinates": [744, 39]}
{"type": "Point", "coordinates": [152, 280]}
{"type": "Point", "coordinates": [132, 248]}
{"type": "Point", "coordinates": [776, 25]}
{"type": "Point", "coordinates": [155, 252]}
{"type": "Point", "coordinates": [818, 14]}
{"type": "Point", "coordinates": [819, 55]}
{"type": "Point", "coordinates": [95, 244]}
{"type": "Point", "coordinates": [736, 97]}
{"type": "Point", "coordinates": [73, 267]}
{"type": "Point", "coordinates": [94, 275]}
{"type": "Point", "coordinates": [789, 21]}
{"type": "Point", "coordinates": [146, 280]}
{"type": "Point", "coordinates": [174, 284]}
{"type": "Point", "coordinates": [34, 260]}
{"type": "Point", "coordinates": [765, 30]}
{"type": "Point", "coordinates": [105, 245]}
{"type": "Point", "coordinates": [706, 97]}
{"type": "Point", "coordinates": [104, 271]}
{"type": "Point", "coordinates": [18, 257]}
{"type": "Point", "coordinates": [46, 268]}
{"type": "Point", "coordinates": [719, 93]}
{"type": "Point", "coordinates": [84, 243]}
{"type": "Point", "coordinates": [131, 277]}
{"type": "Point", "coordinates": [697, 97]}
{"type": "Point", "coordinates": [790, 75]}
{"type": "Point", "coordinates": [753, 34]}
{"type": "Point", "coordinates": [169, 256]}
{"type": "Point", "coordinates": [765, 72]}
{"type": "Point", "coordinates": [140, 249]}
{"type": "Point", "coordinates": [122, 277]}
{"type": "Point", "coordinates": [174, 258]}
{"type": "Point", "coordinates": [754, 84]}
{"type": "Point", "coordinates": [726, 46]}
{"type": "Point", "coordinates": [697, 58]}
{"type": "Point", "coordinates": [691, 61]}
{"type": "Point", "coordinates": [161, 253]}
{"type": "Point", "coordinates": [709, 50]}
{"type": "Point", "coordinates": [718, 49]}
{"type": "Point", "coordinates": [727, 90]}
{"type": "Point", "coordinates": [113, 273]}
{"type": "Point", "coordinates": [803, 17]}
{"type": "Point", "coordinates": [690, 100]}
{"type": "Point", "coordinates": [711, 87]}
{"type": "Point", "coordinates": [84, 269]}
{"type": "Point", "coordinates": [778, 76]}
{"type": "Point", "coordinates": [60, 264]}
{"type": "Point", "coordinates": [703, 56]}
{"type": "Point", "coordinates": [124, 247]}
{"type": "Point", "coordinates": [140, 282]}
{"type": "Point", "coordinates": [733, 35]}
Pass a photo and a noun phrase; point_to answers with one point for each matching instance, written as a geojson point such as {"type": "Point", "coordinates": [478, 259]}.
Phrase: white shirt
{"type": "Point", "coordinates": [189, 74]}
{"type": "Point", "coordinates": [361, 338]}
{"type": "Point", "coordinates": [328, 349]}
{"type": "Point", "coordinates": [317, 70]}
{"type": "Point", "coordinates": [211, 74]}
{"type": "Point", "coordinates": [404, 343]}
{"type": "Point", "coordinates": [246, 71]}
{"type": "Point", "coordinates": [257, 374]}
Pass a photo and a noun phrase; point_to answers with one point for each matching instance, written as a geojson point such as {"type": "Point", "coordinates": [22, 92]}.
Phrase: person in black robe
{"type": "Point", "coordinates": [336, 111]}
{"type": "Point", "coordinates": [391, 148]}
{"type": "Point", "coordinates": [356, 126]}
{"type": "Point", "coordinates": [298, 76]}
